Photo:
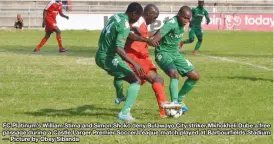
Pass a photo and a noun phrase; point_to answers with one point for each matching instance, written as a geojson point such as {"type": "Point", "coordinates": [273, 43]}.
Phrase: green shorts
{"type": "Point", "coordinates": [114, 66]}
{"type": "Point", "coordinates": [196, 31]}
{"type": "Point", "coordinates": [167, 61]}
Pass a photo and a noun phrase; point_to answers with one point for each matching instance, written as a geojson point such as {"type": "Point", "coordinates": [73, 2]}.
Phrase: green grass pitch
{"type": "Point", "coordinates": [236, 84]}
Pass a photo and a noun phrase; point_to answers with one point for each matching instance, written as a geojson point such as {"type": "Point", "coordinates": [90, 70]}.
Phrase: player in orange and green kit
{"type": "Point", "coordinates": [112, 57]}
{"type": "Point", "coordinates": [170, 60]}
{"type": "Point", "coordinates": [195, 25]}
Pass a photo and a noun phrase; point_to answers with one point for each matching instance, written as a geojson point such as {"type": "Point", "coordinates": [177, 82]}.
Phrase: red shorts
{"type": "Point", "coordinates": [146, 64]}
{"type": "Point", "coordinates": [50, 25]}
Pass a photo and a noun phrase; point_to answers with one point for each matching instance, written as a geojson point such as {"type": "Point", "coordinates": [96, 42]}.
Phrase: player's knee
{"type": "Point", "coordinates": [173, 74]}
{"type": "Point", "coordinates": [47, 36]}
{"type": "Point", "coordinates": [191, 40]}
{"type": "Point", "coordinates": [200, 40]}
{"type": "Point", "coordinates": [194, 76]}
{"type": "Point", "coordinates": [58, 31]}
{"type": "Point", "coordinates": [159, 79]}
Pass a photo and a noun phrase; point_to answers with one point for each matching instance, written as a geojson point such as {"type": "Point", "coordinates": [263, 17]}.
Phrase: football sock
{"type": "Point", "coordinates": [118, 84]}
{"type": "Point", "coordinates": [43, 41]}
{"type": "Point", "coordinates": [188, 85]}
{"type": "Point", "coordinates": [132, 93]}
{"type": "Point", "coordinates": [173, 89]}
{"type": "Point", "coordinates": [59, 40]}
{"type": "Point", "coordinates": [159, 92]}
{"type": "Point", "coordinates": [197, 46]}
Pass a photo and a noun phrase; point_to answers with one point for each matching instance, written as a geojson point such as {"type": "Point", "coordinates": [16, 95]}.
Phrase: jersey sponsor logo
{"type": "Point", "coordinates": [175, 35]}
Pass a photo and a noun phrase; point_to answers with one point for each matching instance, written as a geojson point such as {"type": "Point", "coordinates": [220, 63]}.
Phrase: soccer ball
{"type": "Point", "coordinates": [174, 113]}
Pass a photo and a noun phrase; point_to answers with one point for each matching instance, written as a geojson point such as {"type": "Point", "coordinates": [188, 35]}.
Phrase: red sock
{"type": "Point", "coordinates": [160, 93]}
{"type": "Point", "coordinates": [43, 41]}
{"type": "Point", "coordinates": [59, 40]}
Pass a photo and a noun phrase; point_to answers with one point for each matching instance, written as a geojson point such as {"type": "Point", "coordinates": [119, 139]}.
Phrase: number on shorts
{"type": "Point", "coordinates": [188, 63]}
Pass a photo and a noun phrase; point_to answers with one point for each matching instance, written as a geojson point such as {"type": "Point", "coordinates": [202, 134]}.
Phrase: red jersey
{"type": "Point", "coordinates": [53, 9]}
{"type": "Point", "coordinates": [140, 49]}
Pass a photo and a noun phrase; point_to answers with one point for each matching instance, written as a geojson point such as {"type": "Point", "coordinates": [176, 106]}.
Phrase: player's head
{"type": "Point", "coordinates": [151, 13]}
{"type": "Point", "coordinates": [184, 15]}
{"type": "Point", "coordinates": [201, 3]}
{"type": "Point", "coordinates": [134, 12]}
{"type": "Point", "coordinates": [58, 1]}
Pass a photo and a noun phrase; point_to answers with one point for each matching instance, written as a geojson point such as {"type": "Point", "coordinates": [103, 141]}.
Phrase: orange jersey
{"type": "Point", "coordinates": [140, 49]}
{"type": "Point", "coordinates": [53, 9]}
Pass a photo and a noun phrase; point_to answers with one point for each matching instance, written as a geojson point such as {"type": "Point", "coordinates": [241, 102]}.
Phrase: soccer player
{"type": "Point", "coordinates": [195, 25]}
{"type": "Point", "coordinates": [112, 57]}
{"type": "Point", "coordinates": [49, 22]}
{"type": "Point", "coordinates": [137, 49]}
{"type": "Point", "coordinates": [169, 59]}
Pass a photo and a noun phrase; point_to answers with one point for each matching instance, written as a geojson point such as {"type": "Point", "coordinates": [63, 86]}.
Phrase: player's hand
{"type": "Point", "coordinates": [140, 70]}
{"type": "Point", "coordinates": [67, 17]}
{"type": "Point", "coordinates": [153, 43]}
{"type": "Point", "coordinates": [207, 23]}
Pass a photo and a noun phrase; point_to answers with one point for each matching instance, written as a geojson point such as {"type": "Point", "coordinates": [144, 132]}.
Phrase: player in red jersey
{"type": "Point", "coordinates": [49, 22]}
{"type": "Point", "coordinates": [137, 49]}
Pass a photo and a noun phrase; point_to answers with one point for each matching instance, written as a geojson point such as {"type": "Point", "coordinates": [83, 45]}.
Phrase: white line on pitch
{"type": "Point", "coordinates": [238, 62]}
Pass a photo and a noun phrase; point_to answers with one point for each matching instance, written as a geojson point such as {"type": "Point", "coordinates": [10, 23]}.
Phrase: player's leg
{"type": "Point", "coordinates": [165, 62]}
{"type": "Point", "coordinates": [132, 93]}
{"type": "Point", "coordinates": [185, 68]}
{"type": "Point", "coordinates": [190, 36]}
{"type": "Point", "coordinates": [117, 68]}
{"type": "Point", "coordinates": [43, 41]}
{"type": "Point", "coordinates": [199, 35]}
{"type": "Point", "coordinates": [59, 40]}
{"type": "Point", "coordinates": [118, 85]}
{"type": "Point", "coordinates": [157, 83]}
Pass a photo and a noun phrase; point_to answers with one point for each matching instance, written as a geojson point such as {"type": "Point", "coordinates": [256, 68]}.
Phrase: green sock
{"type": "Point", "coordinates": [132, 93]}
{"type": "Point", "coordinates": [188, 85]}
{"type": "Point", "coordinates": [186, 41]}
{"type": "Point", "coordinates": [173, 89]}
{"type": "Point", "coordinates": [118, 84]}
{"type": "Point", "coordinates": [197, 46]}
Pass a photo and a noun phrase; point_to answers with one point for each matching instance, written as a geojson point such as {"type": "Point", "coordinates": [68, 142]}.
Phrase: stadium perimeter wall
{"type": "Point", "coordinates": [219, 21]}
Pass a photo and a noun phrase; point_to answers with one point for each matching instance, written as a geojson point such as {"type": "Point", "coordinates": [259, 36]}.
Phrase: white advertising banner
{"type": "Point", "coordinates": [96, 21]}
{"type": "Point", "coordinates": [249, 22]}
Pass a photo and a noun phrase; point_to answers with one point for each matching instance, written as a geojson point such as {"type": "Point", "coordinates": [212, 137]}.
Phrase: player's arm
{"type": "Point", "coordinates": [61, 12]}
{"type": "Point", "coordinates": [207, 17]}
{"type": "Point", "coordinates": [167, 27]}
{"type": "Point", "coordinates": [137, 37]}
{"type": "Point", "coordinates": [123, 33]}
{"type": "Point", "coordinates": [153, 33]}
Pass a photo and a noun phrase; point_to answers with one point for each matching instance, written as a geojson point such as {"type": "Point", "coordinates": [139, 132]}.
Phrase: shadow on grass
{"type": "Point", "coordinates": [90, 51]}
{"type": "Point", "coordinates": [85, 110]}
{"type": "Point", "coordinates": [79, 51]}
{"type": "Point", "coordinates": [211, 53]}
{"type": "Point", "coordinates": [250, 78]}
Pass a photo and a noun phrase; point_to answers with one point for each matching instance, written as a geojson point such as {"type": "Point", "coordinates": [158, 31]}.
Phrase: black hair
{"type": "Point", "coordinates": [135, 7]}
{"type": "Point", "coordinates": [151, 6]}
{"type": "Point", "coordinates": [183, 9]}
